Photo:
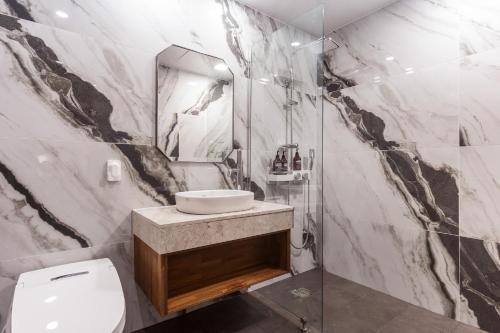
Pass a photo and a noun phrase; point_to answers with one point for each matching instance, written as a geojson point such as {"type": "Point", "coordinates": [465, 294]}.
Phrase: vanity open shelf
{"type": "Point", "coordinates": [182, 264]}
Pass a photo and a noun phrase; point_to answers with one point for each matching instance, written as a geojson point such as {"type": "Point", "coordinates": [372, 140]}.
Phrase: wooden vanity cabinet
{"type": "Point", "coordinates": [179, 280]}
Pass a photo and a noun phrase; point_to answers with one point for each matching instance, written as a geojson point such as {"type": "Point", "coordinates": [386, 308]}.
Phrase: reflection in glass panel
{"type": "Point", "coordinates": [195, 106]}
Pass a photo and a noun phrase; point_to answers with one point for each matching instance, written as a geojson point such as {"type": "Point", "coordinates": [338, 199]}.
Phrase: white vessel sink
{"type": "Point", "coordinates": [213, 201]}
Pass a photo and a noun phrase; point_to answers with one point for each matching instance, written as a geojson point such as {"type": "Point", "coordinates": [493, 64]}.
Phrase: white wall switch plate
{"type": "Point", "coordinates": [114, 170]}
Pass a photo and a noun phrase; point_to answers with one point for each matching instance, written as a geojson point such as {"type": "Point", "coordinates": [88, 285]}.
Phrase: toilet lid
{"type": "Point", "coordinates": [81, 297]}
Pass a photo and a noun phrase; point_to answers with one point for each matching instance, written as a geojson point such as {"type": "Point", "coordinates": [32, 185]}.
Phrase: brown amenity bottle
{"type": "Point", "coordinates": [277, 162]}
{"type": "Point", "coordinates": [297, 161]}
{"type": "Point", "coordinates": [284, 162]}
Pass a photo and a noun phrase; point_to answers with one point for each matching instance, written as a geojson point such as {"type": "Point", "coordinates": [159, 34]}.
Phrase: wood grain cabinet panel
{"type": "Point", "coordinates": [179, 280]}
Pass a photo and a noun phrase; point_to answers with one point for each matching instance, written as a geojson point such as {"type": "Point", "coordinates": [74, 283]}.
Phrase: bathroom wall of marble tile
{"type": "Point", "coordinates": [76, 92]}
{"type": "Point", "coordinates": [411, 166]}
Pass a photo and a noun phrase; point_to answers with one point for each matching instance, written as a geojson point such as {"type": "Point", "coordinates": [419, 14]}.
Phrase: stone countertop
{"type": "Point", "coordinates": [165, 216]}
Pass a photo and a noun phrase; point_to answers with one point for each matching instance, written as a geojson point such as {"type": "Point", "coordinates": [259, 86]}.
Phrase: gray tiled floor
{"type": "Point", "coordinates": [241, 314]}
{"type": "Point", "coordinates": [348, 308]}
{"type": "Point", "coordinates": [352, 308]}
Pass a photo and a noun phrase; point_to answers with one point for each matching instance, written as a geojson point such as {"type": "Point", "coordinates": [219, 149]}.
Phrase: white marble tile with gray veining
{"type": "Point", "coordinates": [375, 230]}
{"type": "Point", "coordinates": [479, 25]}
{"type": "Point", "coordinates": [420, 108]}
{"type": "Point", "coordinates": [288, 56]}
{"type": "Point", "coordinates": [46, 80]}
{"type": "Point", "coordinates": [413, 265]}
{"type": "Point", "coordinates": [407, 35]}
{"type": "Point", "coordinates": [479, 99]}
{"type": "Point", "coordinates": [480, 192]}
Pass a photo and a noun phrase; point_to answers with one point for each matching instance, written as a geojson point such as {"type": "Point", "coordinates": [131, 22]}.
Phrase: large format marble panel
{"type": "Point", "coordinates": [407, 35]}
{"type": "Point", "coordinates": [415, 108]}
{"type": "Point", "coordinates": [285, 54]}
{"type": "Point", "coordinates": [240, 112]}
{"type": "Point", "coordinates": [417, 266]}
{"type": "Point", "coordinates": [479, 283]}
{"type": "Point", "coordinates": [404, 188]}
{"type": "Point", "coordinates": [268, 120]}
{"type": "Point", "coordinates": [479, 98]}
{"type": "Point", "coordinates": [479, 25]}
{"type": "Point", "coordinates": [46, 80]}
{"type": "Point", "coordinates": [480, 192]}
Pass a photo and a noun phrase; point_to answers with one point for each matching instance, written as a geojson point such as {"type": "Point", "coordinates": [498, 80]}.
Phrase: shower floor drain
{"type": "Point", "coordinates": [301, 292]}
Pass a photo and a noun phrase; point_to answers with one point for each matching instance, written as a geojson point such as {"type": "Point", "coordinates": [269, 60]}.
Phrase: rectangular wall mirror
{"type": "Point", "coordinates": [194, 111]}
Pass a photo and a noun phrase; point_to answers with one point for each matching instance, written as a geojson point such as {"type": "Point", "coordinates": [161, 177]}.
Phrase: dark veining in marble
{"type": "Point", "coordinates": [19, 10]}
{"type": "Point", "coordinates": [9, 23]}
{"type": "Point", "coordinates": [212, 94]}
{"type": "Point", "coordinates": [309, 237]}
{"type": "Point", "coordinates": [233, 36]}
{"type": "Point", "coordinates": [445, 194]}
{"type": "Point", "coordinates": [154, 170]}
{"type": "Point", "coordinates": [88, 107]}
{"type": "Point", "coordinates": [480, 281]}
{"type": "Point", "coordinates": [440, 204]}
{"type": "Point", "coordinates": [463, 137]}
{"type": "Point", "coordinates": [171, 135]}
{"type": "Point", "coordinates": [43, 212]}
{"type": "Point", "coordinates": [258, 192]}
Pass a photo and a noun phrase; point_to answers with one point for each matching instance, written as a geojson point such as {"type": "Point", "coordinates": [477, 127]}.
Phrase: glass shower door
{"type": "Point", "coordinates": [285, 114]}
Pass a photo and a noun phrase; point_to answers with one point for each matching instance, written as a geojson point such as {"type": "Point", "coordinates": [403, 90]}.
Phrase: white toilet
{"type": "Point", "coordinates": [83, 297]}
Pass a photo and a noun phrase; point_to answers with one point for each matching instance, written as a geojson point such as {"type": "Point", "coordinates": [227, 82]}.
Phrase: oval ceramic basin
{"type": "Point", "coordinates": [213, 201]}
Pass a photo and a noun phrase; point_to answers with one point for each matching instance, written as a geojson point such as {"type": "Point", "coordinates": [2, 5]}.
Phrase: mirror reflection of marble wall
{"type": "Point", "coordinates": [195, 106]}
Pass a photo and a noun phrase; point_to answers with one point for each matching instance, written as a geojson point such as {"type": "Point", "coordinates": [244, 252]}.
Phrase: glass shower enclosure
{"type": "Point", "coordinates": [286, 114]}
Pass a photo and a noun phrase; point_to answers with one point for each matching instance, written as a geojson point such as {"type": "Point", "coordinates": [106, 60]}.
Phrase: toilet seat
{"type": "Point", "coordinates": [80, 297]}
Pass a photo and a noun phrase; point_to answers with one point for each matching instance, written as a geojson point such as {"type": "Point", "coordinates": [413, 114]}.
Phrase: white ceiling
{"type": "Point", "coordinates": [305, 14]}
